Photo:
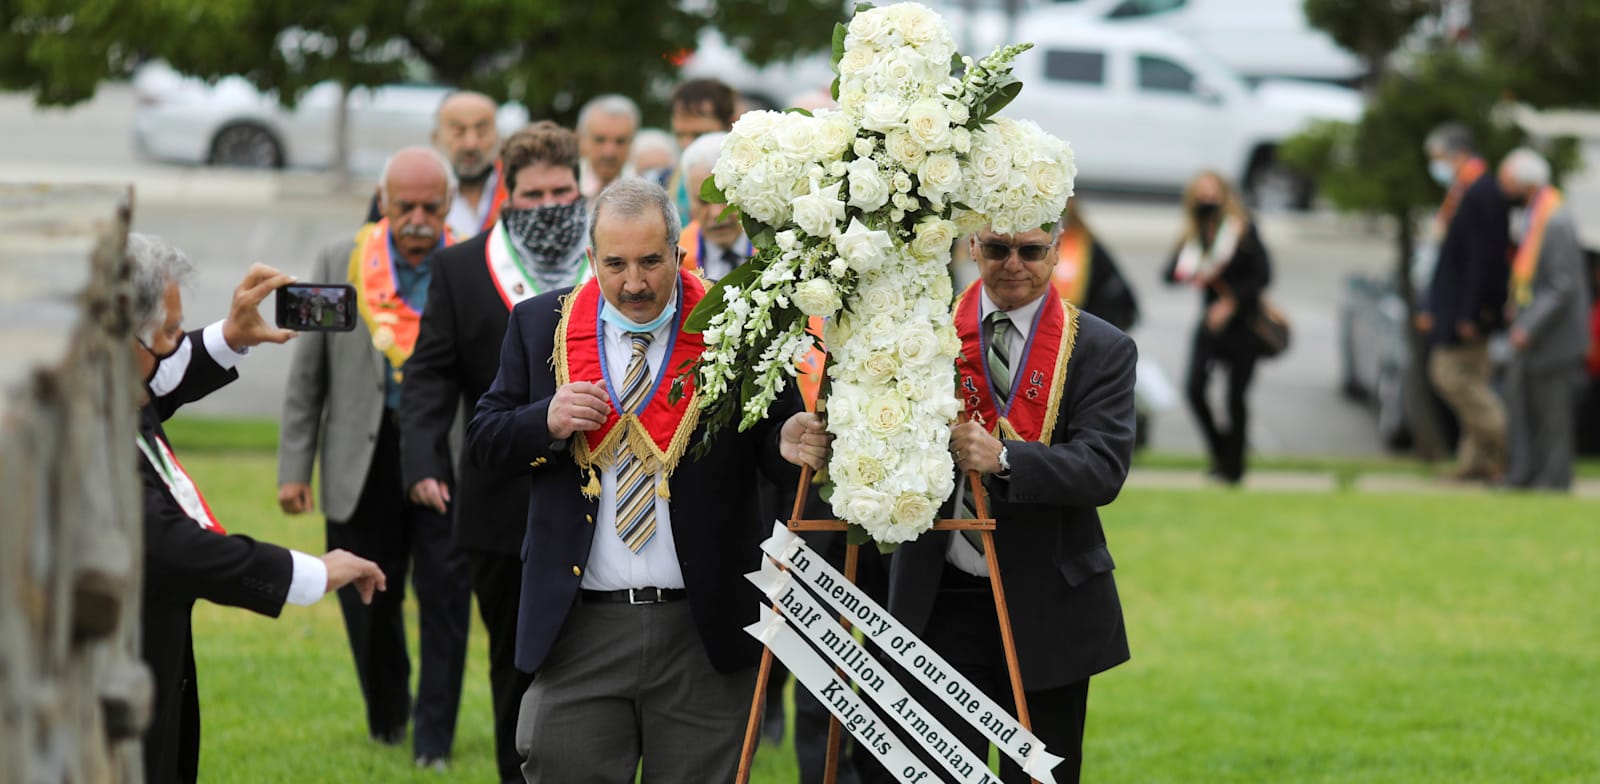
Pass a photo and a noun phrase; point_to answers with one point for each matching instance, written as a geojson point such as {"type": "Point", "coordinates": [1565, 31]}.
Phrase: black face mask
{"type": "Point", "coordinates": [1517, 201]}
{"type": "Point", "coordinates": [166, 385]}
{"type": "Point", "coordinates": [1206, 211]}
{"type": "Point", "coordinates": [551, 234]}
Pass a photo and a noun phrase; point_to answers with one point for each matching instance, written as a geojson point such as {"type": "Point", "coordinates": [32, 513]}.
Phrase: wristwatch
{"type": "Point", "coordinates": [1005, 465]}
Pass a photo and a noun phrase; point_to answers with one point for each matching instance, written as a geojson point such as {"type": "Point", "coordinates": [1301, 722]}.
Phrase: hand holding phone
{"type": "Point", "coordinates": [317, 307]}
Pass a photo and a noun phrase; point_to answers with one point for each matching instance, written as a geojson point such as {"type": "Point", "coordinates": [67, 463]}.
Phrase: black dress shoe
{"type": "Point", "coordinates": [391, 737]}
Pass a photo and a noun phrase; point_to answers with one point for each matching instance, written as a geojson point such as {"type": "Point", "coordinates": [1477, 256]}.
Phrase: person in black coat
{"type": "Point", "coordinates": [1087, 276]}
{"type": "Point", "coordinates": [633, 599]}
{"type": "Point", "coordinates": [187, 555]}
{"type": "Point", "coordinates": [1466, 300]}
{"type": "Point", "coordinates": [537, 241]}
{"type": "Point", "coordinates": [1221, 254]}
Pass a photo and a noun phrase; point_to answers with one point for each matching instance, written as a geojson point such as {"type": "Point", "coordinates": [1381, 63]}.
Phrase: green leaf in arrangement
{"type": "Point", "coordinates": [710, 193]}
{"type": "Point", "coordinates": [1002, 97]}
{"type": "Point", "coordinates": [833, 89]}
{"type": "Point", "coordinates": [839, 32]}
{"type": "Point", "coordinates": [715, 299]}
{"type": "Point", "coordinates": [798, 110]}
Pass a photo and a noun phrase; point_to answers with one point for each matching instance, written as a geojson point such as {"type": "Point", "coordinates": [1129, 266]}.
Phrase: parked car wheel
{"type": "Point", "coordinates": [246, 145]}
{"type": "Point", "coordinates": [1390, 398]}
{"type": "Point", "coordinates": [1274, 186]}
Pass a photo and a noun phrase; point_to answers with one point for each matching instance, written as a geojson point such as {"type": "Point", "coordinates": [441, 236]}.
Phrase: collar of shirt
{"type": "Point", "coordinates": [1021, 318]}
{"type": "Point", "coordinates": [466, 218]}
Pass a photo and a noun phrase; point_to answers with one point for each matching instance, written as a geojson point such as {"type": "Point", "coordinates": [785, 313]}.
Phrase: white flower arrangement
{"type": "Point", "coordinates": [854, 212]}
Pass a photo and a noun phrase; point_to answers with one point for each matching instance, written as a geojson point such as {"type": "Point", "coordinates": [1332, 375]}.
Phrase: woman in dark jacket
{"type": "Point", "coordinates": [1086, 275]}
{"type": "Point", "coordinates": [1221, 255]}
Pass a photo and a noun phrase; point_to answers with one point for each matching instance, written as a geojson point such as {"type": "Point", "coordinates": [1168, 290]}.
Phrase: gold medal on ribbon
{"type": "Point", "coordinates": [383, 338]}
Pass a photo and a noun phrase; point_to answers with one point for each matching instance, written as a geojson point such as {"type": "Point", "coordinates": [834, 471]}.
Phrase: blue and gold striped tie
{"type": "Point", "coordinates": [636, 497]}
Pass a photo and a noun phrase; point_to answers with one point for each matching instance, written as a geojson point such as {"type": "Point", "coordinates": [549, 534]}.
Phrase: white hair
{"type": "Point", "coordinates": [650, 140]}
{"type": "Point", "coordinates": [438, 157]}
{"type": "Point", "coordinates": [701, 154]}
{"type": "Point", "coordinates": [611, 105]}
{"type": "Point", "coordinates": [152, 264]}
{"type": "Point", "coordinates": [1527, 168]}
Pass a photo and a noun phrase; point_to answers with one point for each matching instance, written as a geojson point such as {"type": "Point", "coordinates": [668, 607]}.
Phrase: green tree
{"type": "Point", "coordinates": [1370, 29]}
{"type": "Point", "coordinates": [1545, 49]}
{"type": "Point", "coordinates": [550, 54]}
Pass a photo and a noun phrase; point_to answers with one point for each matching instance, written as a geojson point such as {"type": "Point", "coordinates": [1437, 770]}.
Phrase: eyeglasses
{"type": "Point", "coordinates": [1000, 251]}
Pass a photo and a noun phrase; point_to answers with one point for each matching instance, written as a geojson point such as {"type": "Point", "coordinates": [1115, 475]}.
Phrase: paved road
{"type": "Point", "coordinates": [226, 220]}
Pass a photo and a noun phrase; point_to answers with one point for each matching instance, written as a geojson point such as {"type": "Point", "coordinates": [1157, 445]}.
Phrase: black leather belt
{"type": "Point", "coordinates": [635, 596]}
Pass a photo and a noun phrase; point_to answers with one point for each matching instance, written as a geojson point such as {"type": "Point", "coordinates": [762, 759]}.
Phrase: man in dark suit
{"type": "Point", "coordinates": [1467, 299]}
{"type": "Point", "coordinates": [537, 245]}
{"type": "Point", "coordinates": [187, 555]}
{"type": "Point", "coordinates": [632, 599]}
{"type": "Point", "coordinates": [1046, 471]}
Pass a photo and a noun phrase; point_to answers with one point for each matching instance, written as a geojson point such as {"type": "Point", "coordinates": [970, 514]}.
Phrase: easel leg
{"type": "Point", "coordinates": [1007, 641]}
{"type": "Point", "coordinates": [830, 770]}
{"type": "Point", "coordinates": [752, 728]}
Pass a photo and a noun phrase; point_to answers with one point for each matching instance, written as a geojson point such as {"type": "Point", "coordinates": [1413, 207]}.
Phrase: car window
{"type": "Point", "coordinates": [1130, 9]}
{"type": "Point", "coordinates": [1075, 66]}
{"type": "Point", "coordinates": [1163, 75]}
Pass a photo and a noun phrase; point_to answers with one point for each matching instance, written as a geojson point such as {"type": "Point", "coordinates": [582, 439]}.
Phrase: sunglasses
{"type": "Point", "coordinates": [1000, 251]}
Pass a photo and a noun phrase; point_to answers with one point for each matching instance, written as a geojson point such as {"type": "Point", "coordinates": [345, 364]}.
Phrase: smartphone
{"type": "Point", "coordinates": [317, 307]}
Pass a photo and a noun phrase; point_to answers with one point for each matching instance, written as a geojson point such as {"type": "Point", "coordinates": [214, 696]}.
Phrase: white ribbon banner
{"type": "Point", "coordinates": [940, 678]}
{"type": "Point", "coordinates": [823, 630]}
{"type": "Point", "coordinates": [812, 672]}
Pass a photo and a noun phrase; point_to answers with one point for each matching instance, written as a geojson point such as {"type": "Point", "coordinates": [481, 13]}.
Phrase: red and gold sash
{"type": "Point", "coordinates": [1469, 174]}
{"type": "Point", "coordinates": [1073, 257]}
{"type": "Point", "coordinates": [1526, 262]}
{"type": "Point", "coordinates": [1036, 384]}
{"type": "Point", "coordinates": [657, 433]}
{"type": "Point", "coordinates": [391, 320]}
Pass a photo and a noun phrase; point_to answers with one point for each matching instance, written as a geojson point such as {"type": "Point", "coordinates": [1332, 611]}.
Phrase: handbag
{"type": "Point", "coordinates": [1271, 328]}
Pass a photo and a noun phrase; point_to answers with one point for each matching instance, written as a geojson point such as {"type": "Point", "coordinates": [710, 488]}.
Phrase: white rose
{"type": "Point", "coordinates": [868, 189]}
{"type": "Point", "coordinates": [886, 414]}
{"type": "Point", "coordinates": [795, 135]}
{"type": "Point", "coordinates": [880, 300]}
{"type": "Point", "coordinates": [929, 123]}
{"type": "Point", "coordinates": [883, 113]}
{"type": "Point", "coordinates": [939, 174]}
{"type": "Point", "coordinates": [852, 101]}
{"type": "Point", "coordinates": [1049, 178]}
{"type": "Point", "coordinates": [918, 346]}
{"type": "Point", "coordinates": [864, 248]}
{"type": "Point", "coordinates": [787, 240]}
{"type": "Point", "coordinates": [833, 134]}
{"type": "Point", "coordinates": [958, 113]}
{"type": "Point", "coordinates": [990, 165]}
{"type": "Point", "coordinates": [905, 68]}
{"type": "Point", "coordinates": [912, 509]}
{"type": "Point", "coordinates": [837, 169]}
{"type": "Point", "coordinates": [961, 140]}
{"type": "Point", "coordinates": [869, 27]}
{"type": "Point", "coordinates": [819, 212]}
{"type": "Point", "coordinates": [901, 182]}
{"type": "Point", "coordinates": [867, 508]}
{"type": "Point", "coordinates": [880, 366]}
{"type": "Point", "coordinates": [912, 387]}
{"type": "Point", "coordinates": [903, 149]}
{"type": "Point", "coordinates": [863, 146]}
{"type": "Point", "coordinates": [940, 289]}
{"type": "Point", "coordinates": [738, 155]}
{"type": "Point", "coordinates": [933, 240]}
{"type": "Point", "coordinates": [856, 59]}
{"type": "Point", "coordinates": [817, 297]}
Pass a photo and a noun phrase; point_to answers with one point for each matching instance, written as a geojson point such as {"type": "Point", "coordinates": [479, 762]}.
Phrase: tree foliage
{"type": "Point", "coordinates": [550, 54]}
{"type": "Point", "coordinates": [1545, 49]}
{"type": "Point", "coordinates": [1370, 29]}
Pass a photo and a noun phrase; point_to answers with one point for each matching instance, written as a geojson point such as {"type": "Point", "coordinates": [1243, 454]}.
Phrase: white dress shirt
{"type": "Point", "coordinates": [466, 218]}
{"type": "Point", "coordinates": [960, 552]}
{"type": "Point", "coordinates": [612, 566]}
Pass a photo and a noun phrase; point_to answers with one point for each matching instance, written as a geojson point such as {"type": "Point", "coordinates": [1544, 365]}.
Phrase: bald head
{"type": "Point", "coordinates": [464, 130]}
{"type": "Point", "coordinates": [415, 192]}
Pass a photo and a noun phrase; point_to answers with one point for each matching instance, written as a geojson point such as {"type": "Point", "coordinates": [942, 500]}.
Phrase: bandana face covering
{"type": "Point", "coordinates": [551, 235]}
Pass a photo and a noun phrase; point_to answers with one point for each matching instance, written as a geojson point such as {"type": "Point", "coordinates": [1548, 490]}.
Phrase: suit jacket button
{"type": "Point", "coordinates": [589, 519]}
{"type": "Point", "coordinates": [576, 572]}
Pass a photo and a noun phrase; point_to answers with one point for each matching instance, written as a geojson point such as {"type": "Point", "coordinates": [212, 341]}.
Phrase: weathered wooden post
{"type": "Point", "coordinates": [74, 695]}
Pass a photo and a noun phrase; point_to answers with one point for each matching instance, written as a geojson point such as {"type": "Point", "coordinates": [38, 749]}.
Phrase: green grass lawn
{"type": "Point", "coordinates": [1314, 637]}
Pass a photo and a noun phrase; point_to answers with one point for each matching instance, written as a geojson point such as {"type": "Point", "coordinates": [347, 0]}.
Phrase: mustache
{"type": "Point", "coordinates": [638, 299]}
{"type": "Point", "coordinates": [418, 230]}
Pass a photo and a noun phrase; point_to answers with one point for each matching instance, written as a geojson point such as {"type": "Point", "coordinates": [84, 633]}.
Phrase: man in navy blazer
{"type": "Point", "coordinates": [633, 600]}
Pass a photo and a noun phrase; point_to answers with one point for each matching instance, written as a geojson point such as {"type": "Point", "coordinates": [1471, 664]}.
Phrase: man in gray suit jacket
{"type": "Point", "coordinates": [1549, 334]}
{"type": "Point", "coordinates": [343, 392]}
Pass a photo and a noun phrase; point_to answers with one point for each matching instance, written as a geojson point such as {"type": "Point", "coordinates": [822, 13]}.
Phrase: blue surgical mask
{"type": "Point", "coordinates": [615, 318]}
{"type": "Point", "coordinates": [1442, 172]}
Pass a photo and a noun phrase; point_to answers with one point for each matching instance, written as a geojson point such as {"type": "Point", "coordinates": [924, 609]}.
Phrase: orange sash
{"type": "Point", "coordinates": [689, 243]}
{"type": "Point", "coordinates": [658, 432]}
{"type": "Point", "coordinates": [1468, 175]}
{"type": "Point", "coordinates": [498, 200]}
{"type": "Point", "coordinates": [391, 320]}
{"type": "Point", "coordinates": [1526, 262]}
{"type": "Point", "coordinates": [1036, 384]}
{"type": "Point", "coordinates": [1073, 259]}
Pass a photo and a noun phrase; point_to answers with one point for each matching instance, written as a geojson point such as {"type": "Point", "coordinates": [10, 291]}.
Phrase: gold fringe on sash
{"type": "Point", "coordinates": [1069, 341]}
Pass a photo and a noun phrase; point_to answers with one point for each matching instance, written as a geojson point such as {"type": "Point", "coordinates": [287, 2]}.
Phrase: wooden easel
{"type": "Point", "coordinates": [984, 524]}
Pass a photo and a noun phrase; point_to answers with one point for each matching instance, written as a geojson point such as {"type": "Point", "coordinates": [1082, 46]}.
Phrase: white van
{"type": "Point", "coordinates": [1146, 108]}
